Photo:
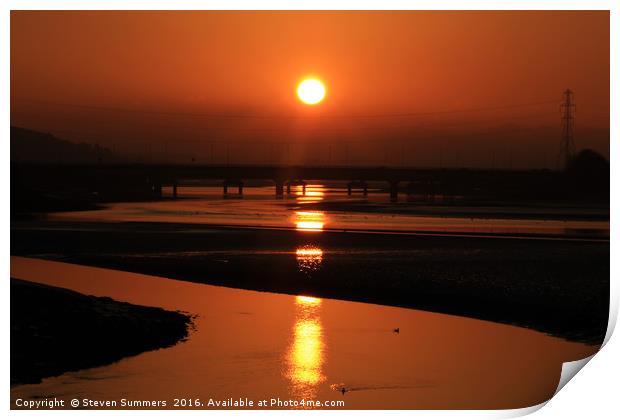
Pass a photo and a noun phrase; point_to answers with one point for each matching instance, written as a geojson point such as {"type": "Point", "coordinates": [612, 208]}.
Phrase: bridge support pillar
{"type": "Point", "coordinates": [279, 188]}
{"type": "Point", "coordinates": [394, 191]}
{"type": "Point", "coordinates": [157, 189]}
{"type": "Point", "coordinates": [175, 194]}
{"type": "Point", "coordinates": [357, 184]}
{"type": "Point", "coordinates": [296, 182]}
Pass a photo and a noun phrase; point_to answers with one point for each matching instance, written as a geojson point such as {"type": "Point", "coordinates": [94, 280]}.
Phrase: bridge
{"type": "Point", "coordinates": [153, 177]}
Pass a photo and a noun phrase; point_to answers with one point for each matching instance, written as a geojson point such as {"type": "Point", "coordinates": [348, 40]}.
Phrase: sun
{"type": "Point", "coordinates": [311, 91]}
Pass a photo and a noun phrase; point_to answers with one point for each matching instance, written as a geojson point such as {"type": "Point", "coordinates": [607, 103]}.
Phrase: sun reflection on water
{"type": "Point", "coordinates": [305, 356]}
{"type": "Point", "coordinates": [309, 258]}
{"type": "Point", "coordinates": [309, 221]}
{"type": "Point", "coordinates": [314, 193]}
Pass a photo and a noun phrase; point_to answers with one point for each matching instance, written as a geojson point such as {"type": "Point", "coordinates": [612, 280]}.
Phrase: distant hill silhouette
{"type": "Point", "coordinates": [589, 173]}
{"type": "Point", "coordinates": [589, 162]}
{"type": "Point", "coordinates": [33, 146]}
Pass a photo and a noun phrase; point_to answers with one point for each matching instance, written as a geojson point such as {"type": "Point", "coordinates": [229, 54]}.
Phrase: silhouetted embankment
{"type": "Point", "coordinates": [28, 204]}
{"type": "Point", "coordinates": [55, 330]}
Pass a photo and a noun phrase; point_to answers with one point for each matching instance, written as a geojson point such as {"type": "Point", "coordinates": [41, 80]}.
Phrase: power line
{"type": "Point", "coordinates": [212, 138]}
{"type": "Point", "coordinates": [285, 116]}
{"type": "Point", "coordinates": [235, 142]}
{"type": "Point", "coordinates": [424, 125]}
{"type": "Point", "coordinates": [209, 130]}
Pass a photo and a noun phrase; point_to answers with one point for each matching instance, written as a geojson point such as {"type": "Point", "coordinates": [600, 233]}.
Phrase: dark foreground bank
{"type": "Point", "coordinates": [559, 287]}
{"type": "Point", "coordinates": [56, 330]}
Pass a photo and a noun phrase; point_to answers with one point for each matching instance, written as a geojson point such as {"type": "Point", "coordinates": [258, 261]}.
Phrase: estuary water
{"type": "Point", "coordinates": [320, 207]}
{"type": "Point", "coordinates": [282, 348]}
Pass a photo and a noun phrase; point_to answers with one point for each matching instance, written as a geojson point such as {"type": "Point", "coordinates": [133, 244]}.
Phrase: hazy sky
{"type": "Point", "coordinates": [154, 83]}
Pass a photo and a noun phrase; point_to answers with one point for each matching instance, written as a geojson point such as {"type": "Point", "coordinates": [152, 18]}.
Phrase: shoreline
{"type": "Point", "coordinates": [594, 235]}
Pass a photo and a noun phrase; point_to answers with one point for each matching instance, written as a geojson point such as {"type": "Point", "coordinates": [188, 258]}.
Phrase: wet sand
{"type": "Point", "coordinates": [560, 287]}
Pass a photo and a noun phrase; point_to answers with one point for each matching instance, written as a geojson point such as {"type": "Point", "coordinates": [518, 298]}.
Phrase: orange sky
{"type": "Point", "coordinates": [246, 64]}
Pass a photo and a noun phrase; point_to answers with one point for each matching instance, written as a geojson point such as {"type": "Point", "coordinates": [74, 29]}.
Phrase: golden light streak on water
{"type": "Point", "coordinates": [306, 353]}
{"type": "Point", "coordinates": [309, 258]}
{"type": "Point", "coordinates": [314, 193]}
{"type": "Point", "coordinates": [309, 221]}
{"type": "Point", "coordinates": [308, 301]}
